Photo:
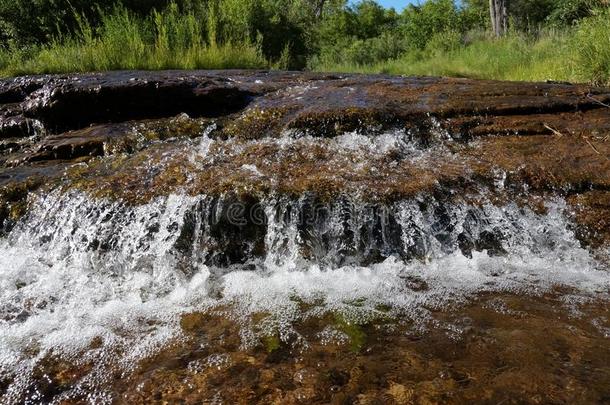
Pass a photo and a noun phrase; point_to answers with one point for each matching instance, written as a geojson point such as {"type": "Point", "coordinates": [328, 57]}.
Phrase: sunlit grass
{"type": "Point", "coordinates": [175, 40]}
{"type": "Point", "coordinates": [581, 54]}
{"type": "Point", "coordinates": [168, 40]}
{"type": "Point", "coordinates": [95, 57]}
{"type": "Point", "coordinates": [513, 58]}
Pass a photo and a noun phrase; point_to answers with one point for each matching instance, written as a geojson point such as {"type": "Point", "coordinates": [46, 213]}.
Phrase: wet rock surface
{"type": "Point", "coordinates": [498, 349]}
{"type": "Point", "coordinates": [449, 188]}
{"type": "Point", "coordinates": [455, 135]}
{"type": "Point", "coordinates": [503, 350]}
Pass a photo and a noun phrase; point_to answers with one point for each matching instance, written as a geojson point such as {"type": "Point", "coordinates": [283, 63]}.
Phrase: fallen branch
{"type": "Point", "coordinates": [553, 130]}
{"type": "Point", "coordinates": [597, 101]}
{"type": "Point", "coordinates": [592, 147]}
{"type": "Point", "coordinates": [595, 149]}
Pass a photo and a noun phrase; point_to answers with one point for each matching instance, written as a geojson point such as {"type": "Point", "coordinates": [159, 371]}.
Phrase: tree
{"type": "Point", "coordinates": [498, 10]}
{"type": "Point", "coordinates": [475, 14]}
{"type": "Point", "coordinates": [318, 7]}
{"type": "Point", "coordinates": [422, 22]}
{"type": "Point", "coordinates": [530, 15]}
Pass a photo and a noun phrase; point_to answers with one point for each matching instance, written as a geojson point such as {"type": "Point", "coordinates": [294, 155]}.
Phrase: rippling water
{"type": "Point", "coordinates": [106, 285]}
{"type": "Point", "coordinates": [91, 280]}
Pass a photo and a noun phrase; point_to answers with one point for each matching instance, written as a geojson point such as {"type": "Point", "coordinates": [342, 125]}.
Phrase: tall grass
{"type": "Point", "coordinates": [512, 58]}
{"type": "Point", "coordinates": [165, 40]}
{"type": "Point", "coordinates": [580, 54]}
{"type": "Point", "coordinates": [173, 39]}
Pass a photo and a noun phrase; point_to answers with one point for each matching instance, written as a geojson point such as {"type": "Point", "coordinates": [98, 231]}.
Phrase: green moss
{"type": "Point", "coordinates": [17, 210]}
{"type": "Point", "coordinates": [332, 123]}
{"type": "Point", "coordinates": [256, 123]}
{"type": "Point", "coordinates": [355, 332]}
{"type": "Point", "coordinates": [270, 338]}
{"type": "Point", "coordinates": [271, 343]}
{"type": "Point", "coordinates": [13, 199]}
{"type": "Point", "coordinates": [383, 308]}
{"type": "Point", "coordinates": [359, 302]}
{"type": "Point", "coordinates": [16, 191]}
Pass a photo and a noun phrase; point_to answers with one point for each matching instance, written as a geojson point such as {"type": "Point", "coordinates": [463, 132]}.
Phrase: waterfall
{"type": "Point", "coordinates": [83, 278]}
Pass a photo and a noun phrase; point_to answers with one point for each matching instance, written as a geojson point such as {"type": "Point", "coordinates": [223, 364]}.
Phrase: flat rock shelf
{"type": "Point", "coordinates": [292, 237]}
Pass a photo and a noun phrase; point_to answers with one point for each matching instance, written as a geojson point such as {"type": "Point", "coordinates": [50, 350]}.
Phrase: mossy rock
{"type": "Point", "coordinates": [355, 332]}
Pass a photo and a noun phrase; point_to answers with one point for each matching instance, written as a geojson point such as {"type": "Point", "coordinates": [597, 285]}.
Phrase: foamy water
{"type": "Point", "coordinates": [90, 280]}
{"type": "Point", "coordinates": [95, 281]}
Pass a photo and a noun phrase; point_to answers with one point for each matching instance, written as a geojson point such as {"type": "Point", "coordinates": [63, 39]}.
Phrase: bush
{"type": "Point", "coordinates": [381, 48]}
{"type": "Point", "coordinates": [361, 51]}
{"type": "Point", "coordinates": [530, 15]}
{"type": "Point", "coordinates": [421, 23]}
{"type": "Point", "coordinates": [568, 12]}
{"type": "Point", "coordinates": [361, 34]}
{"type": "Point", "coordinates": [591, 48]}
{"type": "Point", "coordinates": [444, 42]}
{"type": "Point", "coordinates": [40, 21]}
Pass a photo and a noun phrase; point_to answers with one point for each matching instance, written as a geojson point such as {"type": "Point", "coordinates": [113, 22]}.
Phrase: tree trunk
{"type": "Point", "coordinates": [319, 8]}
{"type": "Point", "coordinates": [499, 16]}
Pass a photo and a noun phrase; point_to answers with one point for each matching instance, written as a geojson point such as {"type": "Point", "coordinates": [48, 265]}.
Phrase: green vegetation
{"type": "Point", "coordinates": [591, 47]}
{"type": "Point", "coordinates": [566, 40]}
{"type": "Point", "coordinates": [355, 333]}
{"type": "Point", "coordinates": [170, 39]}
{"type": "Point", "coordinates": [515, 57]}
{"type": "Point", "coordinates": [569, 44]}
{"type": "Point", "coordinates": [271, 343]}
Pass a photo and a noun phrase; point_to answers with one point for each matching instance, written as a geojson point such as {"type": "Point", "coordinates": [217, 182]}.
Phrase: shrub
{"type": "Point", "coordinates": [591, 48]}
{"type": "Point", "coordinates": [444, 42]}
{"type": "Point", "coordinates": [39, 21]}
{"type": "Point", "coordinates": [568, 12]}
{"type": "Point", "coordinates": [421, 23]}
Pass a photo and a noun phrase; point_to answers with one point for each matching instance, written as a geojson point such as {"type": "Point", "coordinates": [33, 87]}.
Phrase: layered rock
{"type": "Point", "coordinates": [134, 136]}
{"type": "Point", "coordinates": [258, 237]}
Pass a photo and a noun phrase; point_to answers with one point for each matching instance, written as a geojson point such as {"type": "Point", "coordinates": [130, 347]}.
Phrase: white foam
{"type": "Point", "coordinates": [252, 169]}
{"type": "Point", "coordinates": [58, 294]}
{"type": "Point", "coordinates": [368, 144]}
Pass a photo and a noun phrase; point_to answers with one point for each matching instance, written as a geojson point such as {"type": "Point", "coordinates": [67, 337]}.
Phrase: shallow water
{"type": "Point", "coordinates": [101, 301]}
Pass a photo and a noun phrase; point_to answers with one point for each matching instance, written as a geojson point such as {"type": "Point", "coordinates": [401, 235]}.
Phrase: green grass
{"type": "Point", "coordinates": [98, 57]}
{"type": "Point", "coordinates": [580, 55]}
{"type": "Point", "coordinates": [591, 47]}
{"type": "Point", "coordinates": [512, 58]}
{"type": "Point", "coordinates": [174, 40]}
{"type": "Point", "coordinates": [167, 40]}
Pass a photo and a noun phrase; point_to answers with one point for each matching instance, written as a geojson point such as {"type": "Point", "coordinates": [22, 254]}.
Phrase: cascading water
{"type": "Point", "coordinates": [90, 280]}
{"type": "Point", "coordinates": [302, 238]}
